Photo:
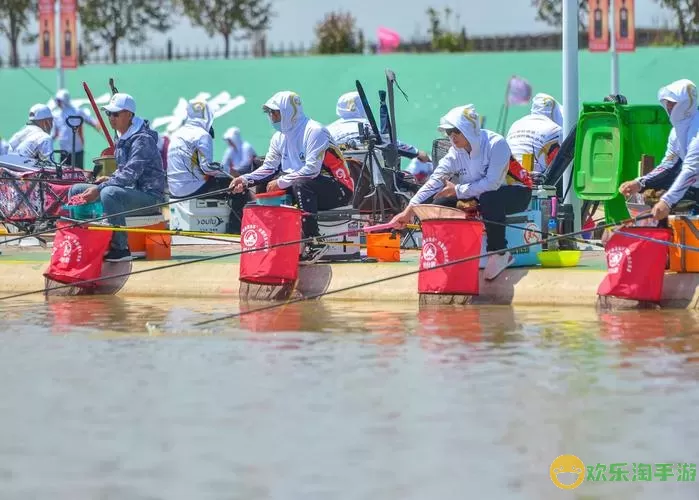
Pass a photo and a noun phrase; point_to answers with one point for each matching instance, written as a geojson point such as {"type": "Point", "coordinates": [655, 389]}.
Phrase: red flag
{"type": "Point", "coordinates": [47, 51]}
{"type": "Point", "coordinates": [636, 266]}
{"type": "Point", "coordinates": [389, 40]}
{"type": "Point", "coordinates": [69, 34]}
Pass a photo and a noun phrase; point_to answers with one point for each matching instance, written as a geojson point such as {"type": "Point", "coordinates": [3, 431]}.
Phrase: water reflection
{"type": "Point", "coordinates": [301, 400]}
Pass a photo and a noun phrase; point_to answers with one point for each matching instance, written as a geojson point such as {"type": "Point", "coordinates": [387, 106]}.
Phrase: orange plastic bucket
{"type": "Point", "coordinates": [137, 240]}
{"type": "Point", "coordinates": [685, 232]}
{"type": "Point", "coordinates": [158, 247]}
{"type": "Point", "coordinates": [382, 247]}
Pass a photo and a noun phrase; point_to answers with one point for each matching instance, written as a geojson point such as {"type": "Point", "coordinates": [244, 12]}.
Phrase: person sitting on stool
{"type": "Point", "coordinates": [304, 161]}
{"type": "Point", "coordinates": [480, 160]}
{"type": "Point", "coordinates": [191, 170]}
{"type": "Point", "coordinates": [679, 170]}
{"type": "Point", "coordinates": [34, 141]}
{"type": "Point", "coordinates": [139, 180]}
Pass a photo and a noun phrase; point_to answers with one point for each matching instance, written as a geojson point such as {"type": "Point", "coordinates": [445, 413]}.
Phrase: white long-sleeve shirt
{"type": "Point", "coordinates": [191, 152]}
{"type": "Point", "coordinates": [64, 133]}
{"type": "Point", "coordinates": [486, 171]}
{"type": "Point", "coordinates": [683, 142]}
{"type": "Point", "coordinates": [298, 149]}
{"type": "Point", "coordinates": [31, 142]}
{"type": "Point", "coordinates": [535, 134]}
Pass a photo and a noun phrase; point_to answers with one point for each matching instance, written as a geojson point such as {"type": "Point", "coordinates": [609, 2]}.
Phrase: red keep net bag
{"type": "Point", "coordinates": [635, 267]}
{"type": "Point", "coordinates": [268, 226]}
{"type": "Point", "coordinates": [449, 240]}
{"type": "Point", "coordinates": [77, 254]}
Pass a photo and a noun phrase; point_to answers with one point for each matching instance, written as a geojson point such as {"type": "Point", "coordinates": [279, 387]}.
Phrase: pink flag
{"type": "Point", "coordinates": [388, 40]}
{"type": "Point", "coordinates": [518, 91]}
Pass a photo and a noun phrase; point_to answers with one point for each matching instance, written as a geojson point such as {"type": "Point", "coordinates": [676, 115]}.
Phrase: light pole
{"type": "Point", "coordinates": [59, 67]}
{"type": "Point", "coordinates": [570, 95]}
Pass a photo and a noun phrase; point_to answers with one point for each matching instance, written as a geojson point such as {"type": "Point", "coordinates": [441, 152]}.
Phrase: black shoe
{"type": "Point", "coordinates": [118, 255]}
{"type": "Point", "coordinates": [313, 253]}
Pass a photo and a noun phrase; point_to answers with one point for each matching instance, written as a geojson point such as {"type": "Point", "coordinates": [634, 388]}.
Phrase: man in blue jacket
{"type": "Point", "coordinates": [139, 180]}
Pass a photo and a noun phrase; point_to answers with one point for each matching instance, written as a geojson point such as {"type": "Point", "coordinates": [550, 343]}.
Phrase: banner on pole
{"type": "Point", "coordinates": [47, 22]}
{"type": "Point", "coordinates": [69, 34]}
{"type": "Point", "coordinates": [598, 26]}
{"type": "Point", "coordinates": [625, 25]}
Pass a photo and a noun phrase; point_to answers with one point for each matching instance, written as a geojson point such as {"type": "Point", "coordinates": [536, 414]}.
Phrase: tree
{"type": "Point", "coordinates": [239, 19]}
{"type": "Point", "coordinates": [551, 12]}
{"type": "Point", "coordinates": [686, 14]}
{"type": "Point", "coordinates": [443, 37]}
{"type": "Point", "coordinates": [108, 22]}
{"type": "Point", "coordinates": [15, 16]}
{"type": "Point", "coordinates": [337, 34]}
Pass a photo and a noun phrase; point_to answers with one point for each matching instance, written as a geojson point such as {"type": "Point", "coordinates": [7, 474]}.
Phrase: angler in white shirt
{"type": "Point", "coordinates": [34, 141]}
{"type": "Point", "coordinates": [190, 155]}
{"type": "Point", "coordinates": [479, 160]}
{"type": "Point", "coordinates": [237, 159]}
{"type": "Point", "coordinates": [678, 172]}
{"type": "Point", "coordinates": [64, 133]}
{"type": "Point", "coordinates": [351, 113]}
{"type": "Point", "coordinates": [539, 133]}
{"type": "Point", "coordinates": [304, 161]}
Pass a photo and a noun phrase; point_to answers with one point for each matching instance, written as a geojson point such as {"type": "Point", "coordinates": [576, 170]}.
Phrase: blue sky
{"type": "Point", "coordinates": [295, 19]}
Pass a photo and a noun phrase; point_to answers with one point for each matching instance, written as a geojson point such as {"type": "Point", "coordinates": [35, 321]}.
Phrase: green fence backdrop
{"type": "Point", "coordinates": [434, 84]}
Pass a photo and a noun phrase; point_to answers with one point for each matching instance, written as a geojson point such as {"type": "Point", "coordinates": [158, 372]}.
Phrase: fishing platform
{"type": "Point", "coordinates": [21, 268]}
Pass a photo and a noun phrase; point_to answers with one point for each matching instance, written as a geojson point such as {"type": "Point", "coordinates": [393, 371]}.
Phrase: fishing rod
{"type": "Point", "coordinates": [192, 234]}
{"type": "Point", "coordinates": [126, 212]}
{"type": "Point", "coordinates": [177, 264]}
{"type": "Point", "coordinates": [398, 276]}
{"type": "Point", "coordinates": [662, 242]}
{"type": "Point", "coordinates": [219, 236]}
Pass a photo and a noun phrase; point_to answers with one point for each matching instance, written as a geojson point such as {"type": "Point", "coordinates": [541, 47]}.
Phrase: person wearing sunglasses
{"type": "Point", "coordinates": [139, 180]}
{"type": "Point", "coordinates": [304, 161]}
{"type": "Point", "coordinates": [476, 166]}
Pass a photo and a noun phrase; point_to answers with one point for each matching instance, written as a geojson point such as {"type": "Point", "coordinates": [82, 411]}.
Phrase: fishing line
{"type": "Point", "coordinates": [397, 276]}
{"type": "Point", "coordinates": [168, 266]}
{"type": "Point", "coordinates": [135, 210]}
{"type": "Point", "coordinates": [38, 82]}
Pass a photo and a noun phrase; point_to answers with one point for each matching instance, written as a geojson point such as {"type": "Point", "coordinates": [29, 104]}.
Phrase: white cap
{"type": "Point", "coordinates": [120, 102]}
{"type": "Point", "coordinates": [39, 112]}
{"type": "Point", "coordinates": [63, 95]}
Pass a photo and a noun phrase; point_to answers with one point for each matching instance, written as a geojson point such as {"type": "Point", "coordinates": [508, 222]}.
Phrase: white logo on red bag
{"type": "Point", "coordinates": [531, 234]}
{"type": "Point", "coordinates": [251, 236]}
{"type": "Point", "coordinates": [340, 173]}
{"type": "Point", "coordinates": [69, 248]}
{"type": "Point", "coordinates": [430, 256]}
{"type": "Point", "coordinates": [615, 256]}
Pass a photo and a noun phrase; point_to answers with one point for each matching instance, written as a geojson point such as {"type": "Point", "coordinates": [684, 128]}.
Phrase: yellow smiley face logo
{"type": "Point", "coordinates": [567, 472]}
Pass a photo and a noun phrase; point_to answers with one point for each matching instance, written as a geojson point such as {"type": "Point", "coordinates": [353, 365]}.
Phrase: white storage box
{"type": "Point", "coordinates": [203, 215]}
{"type": "Point", "coordinates": [338, 221]}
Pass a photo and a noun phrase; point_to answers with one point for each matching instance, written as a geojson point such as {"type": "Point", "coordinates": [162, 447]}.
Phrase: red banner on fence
{"type": "Point", "coordinates": [598, 26]}
{"type": "Point", "coordinates": [624, 25]}
{"type": "Point", "coordinates": [47, 51]}
{"type": "Point", "coordinates": [69, 33]}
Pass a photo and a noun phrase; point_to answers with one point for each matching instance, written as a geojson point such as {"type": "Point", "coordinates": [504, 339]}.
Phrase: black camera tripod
{"type": "Point", "coordinates": [382, 200]}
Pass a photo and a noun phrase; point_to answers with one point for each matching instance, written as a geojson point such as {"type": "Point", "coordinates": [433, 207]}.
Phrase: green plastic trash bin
{"type": "Point", "coordinates": [610, 142]}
